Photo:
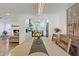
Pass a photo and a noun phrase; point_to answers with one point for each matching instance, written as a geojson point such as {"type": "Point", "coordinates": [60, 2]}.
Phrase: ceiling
{"type": "Point", "coordinates": [11, 10]}
{"type": "Point", "coordinates": [31, 8]}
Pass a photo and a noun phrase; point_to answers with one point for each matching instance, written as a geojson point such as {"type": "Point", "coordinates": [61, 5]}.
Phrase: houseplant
{"type": "Point", "coordinates": [5, 32]}
{"type": "Point", "coordinates": [57, 30]}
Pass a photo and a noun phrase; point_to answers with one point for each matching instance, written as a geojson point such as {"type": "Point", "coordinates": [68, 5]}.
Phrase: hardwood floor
{"type": "Point", "coordinates": [13, 44]}
{"type": "Point", "coordinates": [5, 47]}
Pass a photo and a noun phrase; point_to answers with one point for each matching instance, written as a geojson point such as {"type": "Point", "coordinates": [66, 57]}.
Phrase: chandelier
{"type": "Point", "coordinates": [40, 8]}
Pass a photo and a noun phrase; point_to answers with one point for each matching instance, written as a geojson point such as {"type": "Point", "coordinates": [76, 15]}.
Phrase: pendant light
{"type": "Point", "coordinates": [40, 8]}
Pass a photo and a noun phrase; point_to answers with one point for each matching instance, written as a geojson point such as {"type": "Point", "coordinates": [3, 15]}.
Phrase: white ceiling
{"type": "Point", "coordinates": [31, 8]}
{"type": "Point", "coordinates": [15, 9]}
{"type": "Point", "coordinates": [56, 7]}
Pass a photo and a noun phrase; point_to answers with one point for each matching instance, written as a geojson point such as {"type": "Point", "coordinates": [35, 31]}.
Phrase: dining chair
{"type": "Point", "coordinates": [54, 37]}
{"type": "Point", "coordinates": [73, 50]}
{"type": "Point", "coordinates": [65, 43]}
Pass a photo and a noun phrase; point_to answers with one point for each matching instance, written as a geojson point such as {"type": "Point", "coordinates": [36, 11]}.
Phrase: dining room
{"type": "Point", "coordinates": [37, 29]}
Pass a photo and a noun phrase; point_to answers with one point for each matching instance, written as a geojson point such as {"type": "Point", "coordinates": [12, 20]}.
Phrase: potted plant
{"type": "Point", "coordinates": [5, 32]}
{"type": "Point", "coordinates": [57, 30]}
{"type": "Point", "coordinates": [4, 35]}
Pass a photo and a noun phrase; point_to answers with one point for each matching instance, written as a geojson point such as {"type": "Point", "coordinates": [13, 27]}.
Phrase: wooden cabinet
{"type": "Point", "coordinates": [73, 20]}
{"type": "Point", "coordinates": [14, 39]}
{"type": "Point", "coordinates": [73, 26]}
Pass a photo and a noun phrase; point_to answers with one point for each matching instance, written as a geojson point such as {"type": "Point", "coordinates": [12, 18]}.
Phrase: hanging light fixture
{"type": "Point", "coordinates": [40, 8]}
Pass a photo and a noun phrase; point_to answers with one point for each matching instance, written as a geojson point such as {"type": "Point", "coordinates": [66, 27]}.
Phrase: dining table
{"type": "Point", "coordinates": [24, 48]}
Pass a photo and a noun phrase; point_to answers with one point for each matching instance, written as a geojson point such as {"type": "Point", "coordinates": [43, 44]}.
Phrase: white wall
{"type": "Point", "coordinates": [1, 28]}
{"type": "Point", "coordinates": [22, 32]}
{"type": "Point", "coordinates": [63, 22]}
{"type": "Point", "coordinates": [55, 21]}
{"type": "Point", "coordinates": [4, 26]}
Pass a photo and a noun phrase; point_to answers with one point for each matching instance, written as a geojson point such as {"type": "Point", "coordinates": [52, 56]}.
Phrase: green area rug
{"type": "Point", "coordinates": [38, 46]}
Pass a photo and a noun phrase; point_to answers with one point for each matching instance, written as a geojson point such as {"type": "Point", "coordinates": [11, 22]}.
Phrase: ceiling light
{"type": "Point", "coordinates": [40, 8]}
